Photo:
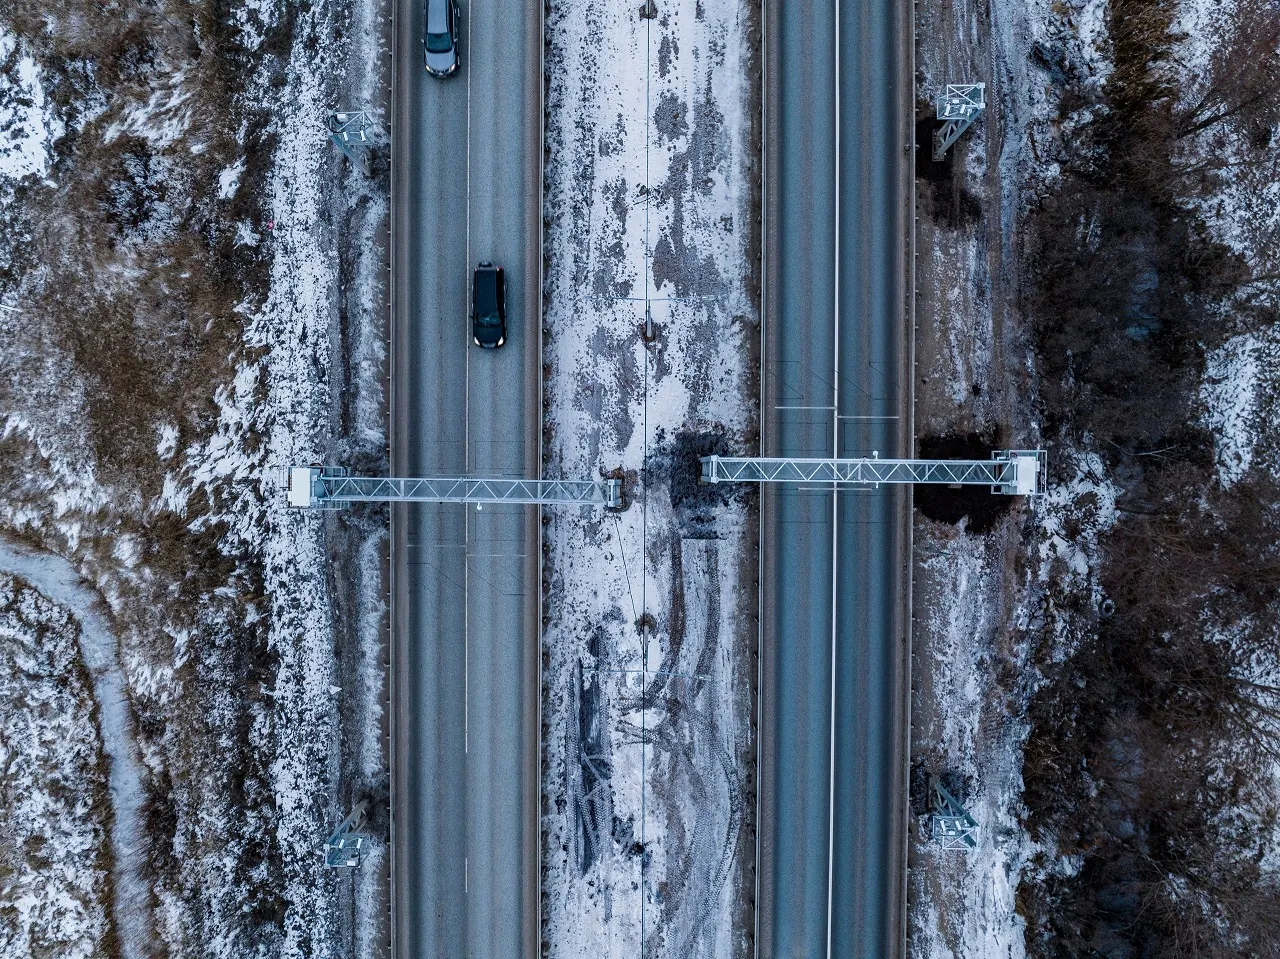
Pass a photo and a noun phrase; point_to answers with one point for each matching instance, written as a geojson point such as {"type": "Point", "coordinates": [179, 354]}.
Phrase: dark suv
{"type": "Point", "coordinates": [489, 306]}
{"type": "Point", "coordinates": [441, 38]}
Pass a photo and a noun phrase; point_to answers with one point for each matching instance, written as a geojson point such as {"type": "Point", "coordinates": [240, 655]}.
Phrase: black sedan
{"type": "Point", "coordinates": [441, 38]}
{"type": "Point", "coordinates": [489, 306]}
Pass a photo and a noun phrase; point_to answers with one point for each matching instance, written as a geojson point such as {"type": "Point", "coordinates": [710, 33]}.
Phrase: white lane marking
{"type": "Point", "coordinates": [466, 874]}
{"type": "Point", "coordinates": [466, 436]}
{"type": "Point", "coordinates": [835, 509]}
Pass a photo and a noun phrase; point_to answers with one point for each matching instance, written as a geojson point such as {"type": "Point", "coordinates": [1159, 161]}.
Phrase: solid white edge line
{"type": "Point", "coordinates": [466, 438]}
{"type": "Point", "coordinates": [835, 498]}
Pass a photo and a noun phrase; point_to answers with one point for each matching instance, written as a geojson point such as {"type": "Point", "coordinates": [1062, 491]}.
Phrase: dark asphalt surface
{"type": "Point", "coordinates": [466, 188]}
{"type": "Point", "coordinates": [833, 644]}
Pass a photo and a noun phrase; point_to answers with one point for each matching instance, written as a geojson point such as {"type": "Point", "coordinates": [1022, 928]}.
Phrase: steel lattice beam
{"type": "Point", "coordinates": [331, 488]}
{"type": "Point", "coordinates": [1018, 472]}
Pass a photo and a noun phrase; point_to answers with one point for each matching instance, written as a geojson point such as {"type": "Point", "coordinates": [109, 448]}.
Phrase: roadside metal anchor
{"type": "Point", "coordinates": [951, 825]}
{"type": "Point", "coordinates": [352, 130]}
{"type": "Point", "coordinates": [345, 848]}
{"type": "Point", "coordinates": [959, 105]}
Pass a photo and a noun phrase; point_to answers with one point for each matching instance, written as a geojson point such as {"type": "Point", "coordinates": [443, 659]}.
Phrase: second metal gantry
{"type": "Point", "coordinates": [1012, 472]}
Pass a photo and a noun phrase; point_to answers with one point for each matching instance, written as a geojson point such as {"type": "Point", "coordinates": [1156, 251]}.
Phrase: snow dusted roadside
{"type": "Point", "coordinates": [977, 595]}
{"type": "Point", "coordinates": [647, 699]}
{"type": "Point", "coordinates": [256, 724]}
{"type": "Point", "coordinates": [302, 405]}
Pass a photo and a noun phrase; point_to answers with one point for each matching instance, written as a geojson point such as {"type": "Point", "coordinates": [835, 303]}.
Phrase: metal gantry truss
{"type": "Point", "coordinates": [951, 825]}
{"type": "Point", "coordinates": [334, 488]}
{"type": "Point", "coordinates": [958, 107]}
{"type": "Point", "coordinates": [1013, 472]}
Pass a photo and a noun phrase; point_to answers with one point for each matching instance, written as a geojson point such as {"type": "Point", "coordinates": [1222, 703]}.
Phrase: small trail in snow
{"type": "Point", "coordinates": [58, 580]}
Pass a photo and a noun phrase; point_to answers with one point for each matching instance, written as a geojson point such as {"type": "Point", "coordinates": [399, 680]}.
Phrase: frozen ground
{"type": "Point", "coordinates": [56, 862]}
{"type": "Point", "coordinates": [648, 839]}
{"type": "Point", "coordinates": [98, 655]}
{"type": "Point", "coordinates": [978, 595]}
{"type": "Point", "coordinates": [168, 349]}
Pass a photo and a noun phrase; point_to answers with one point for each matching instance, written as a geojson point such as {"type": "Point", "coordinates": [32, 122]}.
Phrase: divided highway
{"type": "Point", "coordinates": [465, 593]}
{"type": "Point", "coordinates": [833, 643]}
{"type": "Point", "coordinates": [466, 186]}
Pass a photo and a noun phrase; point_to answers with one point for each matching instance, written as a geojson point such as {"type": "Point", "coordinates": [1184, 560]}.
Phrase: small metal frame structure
{"type": "Point", "coordinates": [345, 848]}
{"type": "Point", "coordinates": [959, 105]}
{"type": "Point", "coordinates": [351, 130]}
{"type": "Point", "coordinates": [950, 824]}
{"type": "Point", "coordinates": [1012, 472]}
{"type": "Point", "coordinates": [312, 487]}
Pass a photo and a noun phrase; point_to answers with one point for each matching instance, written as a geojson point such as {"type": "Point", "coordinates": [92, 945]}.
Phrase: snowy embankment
{"type": "Point", "coordinates": [977, 595]}
{"type": "Point", "coordinates": [208, 280]}
{"type": "Point", "coordinates": [975, 674]}
{"type": "Point", "coordinates": [649, 671]}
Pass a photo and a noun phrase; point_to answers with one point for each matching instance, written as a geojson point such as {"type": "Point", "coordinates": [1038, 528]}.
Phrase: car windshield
{"type": "Point", "coordinates": [439, 43]}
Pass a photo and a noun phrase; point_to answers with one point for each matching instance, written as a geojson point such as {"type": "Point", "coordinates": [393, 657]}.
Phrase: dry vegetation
{"type": "Point", "coordinates": [135, 268]}
{"type": "Point", "coordinates": [130, 262]}
{"type": "Point", "coordinates": [1152, 754]}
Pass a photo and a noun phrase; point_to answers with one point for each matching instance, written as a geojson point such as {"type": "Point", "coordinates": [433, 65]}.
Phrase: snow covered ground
{"type": "Point", "coordinates": [160, 371]}
{"type": "Point", "coordinates": [55, 812]}
{"type": "Point", "coordinates": [977, 596]}
{"type": "Point", "coordinates": [97, 652]}
{"type": "Point", "coordinates": [1241, 206]}
{"type": "Point", "coordinates": [647, 699]}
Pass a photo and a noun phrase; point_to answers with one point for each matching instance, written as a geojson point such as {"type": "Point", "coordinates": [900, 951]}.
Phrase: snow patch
{"type": "Point", "coordinates": [229, 179]}
{"type": "Point", "coordinates": [168, 441]}
{"type": "Point", "coordinates": [163, 119]}
{"type": "Point", "coordinates": [1081, 492]}
{"type": "Point", "coordinates": [28, 126]}
{"type": "Point", "coordinates": [1229, 392]}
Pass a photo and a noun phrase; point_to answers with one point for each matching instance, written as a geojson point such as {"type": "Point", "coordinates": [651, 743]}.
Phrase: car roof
{"type": "Point", "coordinates": [486, 289]}
{"type": "Point", "coordinates": [437, 16]}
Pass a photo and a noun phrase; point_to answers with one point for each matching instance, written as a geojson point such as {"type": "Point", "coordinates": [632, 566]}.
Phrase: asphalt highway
{"type": "Point", "coordinates": [465, 187]}
{"type": "Point", "coordinates": [834, 586]}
